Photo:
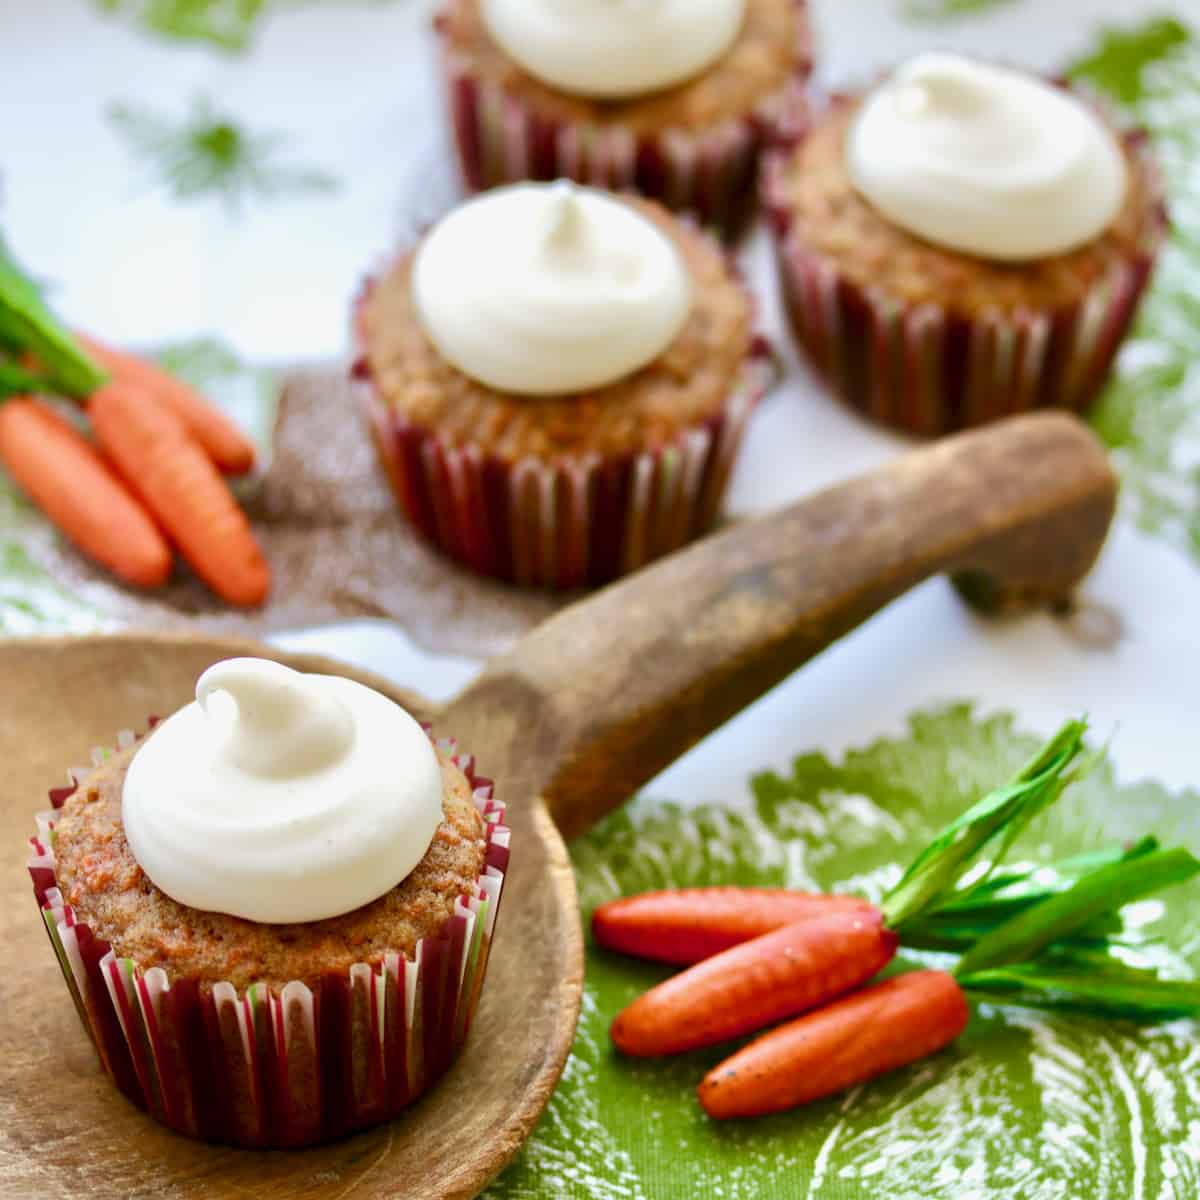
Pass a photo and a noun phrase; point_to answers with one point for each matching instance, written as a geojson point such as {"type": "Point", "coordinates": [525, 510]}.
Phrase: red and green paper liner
{"type": "Point", "coordinates": [567, 523]}
{"type": "Point", "coordinates": [926, 369]}
{"type": "Point", "coordinates": [266, 1069]}
{"type": "Point", "coordinates": [499, 137]}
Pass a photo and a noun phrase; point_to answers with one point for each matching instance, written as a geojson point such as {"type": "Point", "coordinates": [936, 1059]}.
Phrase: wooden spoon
{"type": "Point", "coordinates": [583, 711]}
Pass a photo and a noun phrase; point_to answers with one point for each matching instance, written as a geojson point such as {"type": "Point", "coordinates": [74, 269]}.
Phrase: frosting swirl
{"type": "Point", "coordinates": [549, 289]}
{"type": "Point", "coordinates": [281, 797]}
{"type": "Point", "coordinates": [614, 48]}
{"type": "Point", "coordinates": [986, 160]}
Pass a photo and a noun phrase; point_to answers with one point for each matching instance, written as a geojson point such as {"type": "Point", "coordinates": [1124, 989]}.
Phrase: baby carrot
{"type": "Point", "coordinates": [863, 1035]}
{"type": "Point", "coordinates": [686, 925]}
{"type": "Point", "coordinates": [65, 476]}
{"type": "Point", "coordinates": [780, 974]}
{"type": "Point", "coordinates": [179, 484]}
{"type": "Point", "coordinates": [224, 443]}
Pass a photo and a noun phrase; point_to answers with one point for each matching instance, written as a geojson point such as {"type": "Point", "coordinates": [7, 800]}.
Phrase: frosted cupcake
{"type": "Point", "coordinates": [558, 379]}
{"type": "Point", "coordinates": [670, 98]}
{"type": "Point", "coordinates": [963, 242]}
{"type": "Point", "coordinates": [274, 914]}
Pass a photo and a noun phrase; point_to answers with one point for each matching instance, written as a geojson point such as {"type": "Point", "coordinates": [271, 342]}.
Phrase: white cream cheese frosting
{"type": "Point", "coordinates": [986, 160]}
{"type": "Point", "coordinates": [613, 49]}
{"type": "Point", "coordinates": [549, 289]}
{"type": "Point", "coordinates": [282, 797]}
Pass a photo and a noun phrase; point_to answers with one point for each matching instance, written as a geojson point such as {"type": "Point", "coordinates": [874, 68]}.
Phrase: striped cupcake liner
{"type": "Point", "coordinates": [928, 370]}
{"type": "Point", "coordinates": [570, 523]}
{"type": "Point", "coordinates": [710, 172]}
{"type": "Point", "coordinates": [292, 1068]}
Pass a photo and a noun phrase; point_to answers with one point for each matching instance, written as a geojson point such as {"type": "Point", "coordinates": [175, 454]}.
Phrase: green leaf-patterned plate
{"type": "Point", "coordinates": [1026, 1105]}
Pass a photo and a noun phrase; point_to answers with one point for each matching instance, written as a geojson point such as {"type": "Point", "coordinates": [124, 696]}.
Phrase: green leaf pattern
{"type": "Point", "coordinates": [31, 601]}
{"type": "Point", "coordinates": [1150, 413]}
{"type": "Point", "coordinates": [224, 25]}
{"type": "Point", "coordinates": [946, 10]}
{"type": "Point", "coordinates": [208, 153]}
{"type": "Point", "coordinates": [1027, 1105]}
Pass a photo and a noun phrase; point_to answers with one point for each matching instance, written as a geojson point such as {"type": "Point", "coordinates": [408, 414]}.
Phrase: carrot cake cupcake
{"type": "Point", "coordinates": [557, 380]}
{"type": "Point", "coordinates": [963, 242]}
{"type": "Point", "coordinates": [670, 98]}
{"type": "Point", "coordinates": [274, 914]}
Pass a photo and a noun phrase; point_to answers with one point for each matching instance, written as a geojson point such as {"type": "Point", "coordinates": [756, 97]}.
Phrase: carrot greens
{"type": "Point", "coordinates": [31, 334]}
{"type": "Point", "coordinates": [1044, 935]}
{"type": "Point", "coordinates": [932, 882]}
{"type": "Point", "coordinates": [1105, 890]}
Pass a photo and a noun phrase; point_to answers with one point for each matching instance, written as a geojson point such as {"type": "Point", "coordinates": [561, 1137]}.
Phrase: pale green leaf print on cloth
{"type": "Point", "coordinates": [944, 10]}
{"type": "Point", "coordinates": [248, 394]}
{"type": "Point", "coordinates": [209, 153]}
{"type": "Point", "coordinates": [1026, 1106]}
{"type": "Point", "coordinates": [1150, 413]}
{"type": "Point", "coordinates": [227, 25]}
{"type": "Point", "coordinates": [30, 599]}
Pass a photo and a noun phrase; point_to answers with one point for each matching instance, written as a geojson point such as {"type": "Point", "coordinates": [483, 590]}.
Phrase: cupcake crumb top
{"type": "Point", "coordinates": [813, 194]}
{"type": "Point", "coordinates": [101, 879]}
{"type": "Point", "coordinates": [685, 386]}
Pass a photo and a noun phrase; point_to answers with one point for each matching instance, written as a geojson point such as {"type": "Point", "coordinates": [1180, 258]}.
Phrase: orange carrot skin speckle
{"type": "Point", "coordinates": [223, 442]}
{"type": "Point", "coordinates": [688, 925]}
{"type": "Point", "coordinates": [180, 485]}
{"type": "Point", "coordinates": [863, 1035]}
{"type": "Point", "coordinates": [780, 974]}
{"type": "Point", "coordinates": [66, 477]}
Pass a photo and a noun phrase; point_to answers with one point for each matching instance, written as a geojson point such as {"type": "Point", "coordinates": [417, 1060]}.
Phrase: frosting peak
{"type": "Point", "coordinates": [614, 48]}
{"type": "Point", "coordinates": [986, 160]}
{"type": "Point", "coordinates": [283, 725]}
{"type": "Point", "coordinates": [282, 797]}
{"type": "Point", "coordinates": [549, 289]}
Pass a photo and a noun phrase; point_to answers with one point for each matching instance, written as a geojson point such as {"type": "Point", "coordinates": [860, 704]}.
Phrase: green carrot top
{"type": "Point", "coordinates": [1049, 935]}
{"type": "Point", "coordinates": [30, 331]}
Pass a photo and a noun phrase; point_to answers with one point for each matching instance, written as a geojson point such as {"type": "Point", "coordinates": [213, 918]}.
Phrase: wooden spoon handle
{"type": "Point", "coordinates": [603, 696]}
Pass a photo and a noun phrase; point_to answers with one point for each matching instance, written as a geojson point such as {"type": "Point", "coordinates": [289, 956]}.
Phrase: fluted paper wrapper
{"type": "Point", "coordinates": [288, 1068]}
{"type": "Point", "coordinates": [564, 524]}
{"type": "Point", "coordinates": [710, 172]}
{"type": "Point", "coordinates": [926, 369]}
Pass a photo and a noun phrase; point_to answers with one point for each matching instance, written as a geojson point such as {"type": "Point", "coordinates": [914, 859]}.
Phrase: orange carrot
{"type": "Point", "coordinates": [179, 484]}
{"type": "Point", "coordinates": [863, 1035]}
{"type": "Point", "coordinates": [687, 925]}
{"type": "Point", "coordinates": [65, 476]}
{"type": "Point", "coordinates": [224, 443]}
{"type": "Point", "coordinates": [780, 974]}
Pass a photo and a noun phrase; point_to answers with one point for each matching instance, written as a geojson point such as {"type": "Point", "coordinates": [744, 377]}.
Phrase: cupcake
{"type": "Point", "coordinates": [557, 379]}
{"type": "Point", "coordinates": [962, 242]}
{"type": "Point", "coordinates": [274, 913]}
{"type": "Point", "coordinates": [670, 98]}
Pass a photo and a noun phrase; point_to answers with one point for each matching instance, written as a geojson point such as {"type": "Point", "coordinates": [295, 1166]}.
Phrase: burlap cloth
{"type": "Point", "coordinates": [337, 544]}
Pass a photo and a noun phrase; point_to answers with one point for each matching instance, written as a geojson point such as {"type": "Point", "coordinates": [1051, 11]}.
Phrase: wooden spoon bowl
{"type": "Point", "coordinates": [582, 712]}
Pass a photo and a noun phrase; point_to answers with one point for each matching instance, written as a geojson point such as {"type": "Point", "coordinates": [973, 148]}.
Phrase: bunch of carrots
{"type": "Point", "coordinates": [1044, 936]}
{"type": "Point", "coordinates": [150, 479]}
